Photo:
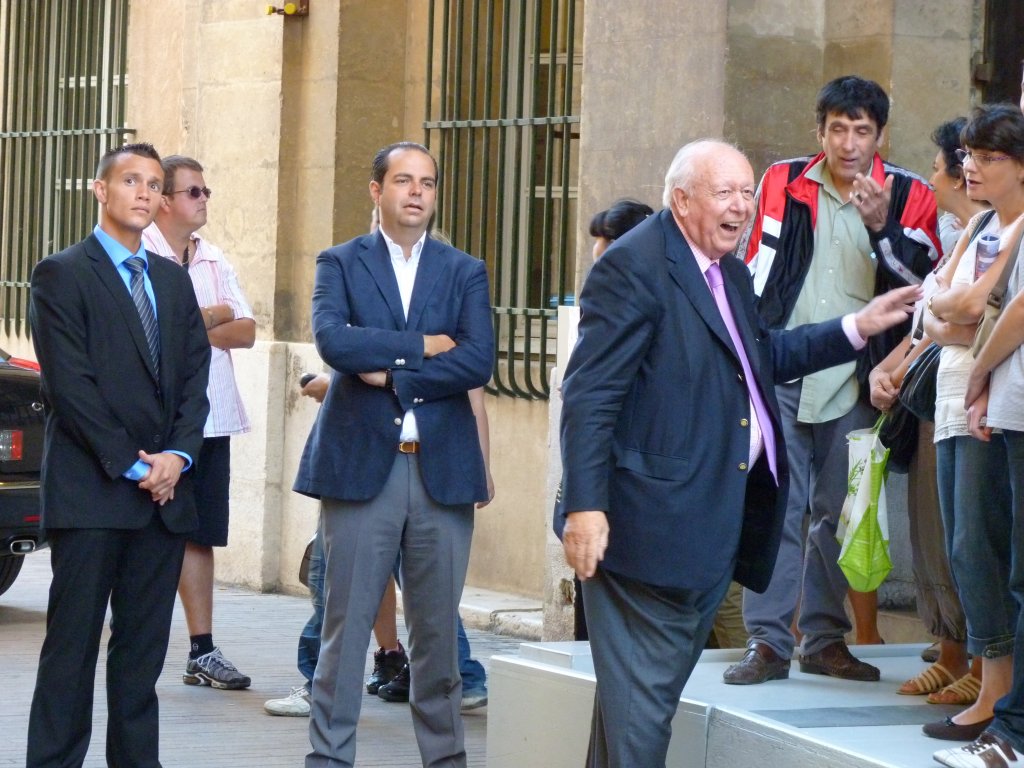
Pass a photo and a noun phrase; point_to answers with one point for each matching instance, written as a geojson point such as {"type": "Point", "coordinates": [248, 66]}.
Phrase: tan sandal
{"type": "Point", "coordinates": [933, 679]}
{"type": "Point", "coordinates": [963, 692]}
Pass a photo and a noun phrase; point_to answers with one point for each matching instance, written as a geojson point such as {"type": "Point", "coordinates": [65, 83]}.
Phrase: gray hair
{"type": "Point", "coordinates": [685, 167]}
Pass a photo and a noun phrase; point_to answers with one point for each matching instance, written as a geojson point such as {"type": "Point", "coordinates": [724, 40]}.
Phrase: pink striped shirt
{"type": "Point", "coordinates": [215, 282]}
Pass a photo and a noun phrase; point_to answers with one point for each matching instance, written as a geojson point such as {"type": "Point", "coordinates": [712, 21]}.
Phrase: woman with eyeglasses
{"type": "Point", "coordinates": [973, 476]}
{"type": "Point", "coordinates": [948, 680]}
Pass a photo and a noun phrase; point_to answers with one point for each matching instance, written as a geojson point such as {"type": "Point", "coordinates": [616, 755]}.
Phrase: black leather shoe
{"type": "Point", "coordinates": [397, 689]}
{"type": "Point", "coordinates": [950, 731]}
{"type": "Point", "coordinates": [759, 665]}
{"type": "Point", "coordinates": [836, 661]}
{"type": "Point", "coordinates": [386, 666]}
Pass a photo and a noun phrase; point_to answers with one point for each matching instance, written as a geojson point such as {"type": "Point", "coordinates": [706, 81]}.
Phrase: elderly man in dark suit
{"type": "Point", "coordinates": [674, 466]}
{"type": "Point", "coordinates": [405, 323]}
{"type": "Point", "coordinates": [124, 359]}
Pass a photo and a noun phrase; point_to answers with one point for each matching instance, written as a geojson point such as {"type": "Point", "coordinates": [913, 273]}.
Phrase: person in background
{"type": "Point", "coordinates": [995, 408]}
{"type": "Point", "coordinates": [608, 226]}
{"type": "Point", "coordinates": [829, 232]}
{"type": "Point", "coordinates": [948, 680]}
{"type": "Point", "coordinates": [973, 476]}
{"type": "Point", "coordinates": [229, 325]}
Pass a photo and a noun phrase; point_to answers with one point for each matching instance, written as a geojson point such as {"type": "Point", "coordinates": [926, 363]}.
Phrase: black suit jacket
{"type": "Point", "coordinates": [103, 400]}
{"type": "Point", "coordinates": [655, 414]}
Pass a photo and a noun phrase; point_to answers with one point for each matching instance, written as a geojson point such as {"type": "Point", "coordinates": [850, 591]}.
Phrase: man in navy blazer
{"type": "Point", "coordinates": [122, 427]}
{"type": "Point", "coordinates": [669, 491]}
{"type": "Point", "coordinates": [405, 322]}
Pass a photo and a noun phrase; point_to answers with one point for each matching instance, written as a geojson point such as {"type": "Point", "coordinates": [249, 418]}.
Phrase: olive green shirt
{"type": "Point", "coordinates": [841, 279]}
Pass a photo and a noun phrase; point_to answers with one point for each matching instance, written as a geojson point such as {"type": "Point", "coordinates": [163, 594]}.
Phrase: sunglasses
{"type": "Point", "coordinates": [194, 192]}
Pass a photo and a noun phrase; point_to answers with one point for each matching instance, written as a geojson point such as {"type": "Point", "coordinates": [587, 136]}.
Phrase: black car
{"type": "Point", "coordinates": [21, 453]}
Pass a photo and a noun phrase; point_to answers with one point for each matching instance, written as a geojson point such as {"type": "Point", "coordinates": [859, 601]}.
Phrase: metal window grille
{"type": "Point", "coordinates": [502, 115]}
{"type": "Point", "coordinates": [62, 66]}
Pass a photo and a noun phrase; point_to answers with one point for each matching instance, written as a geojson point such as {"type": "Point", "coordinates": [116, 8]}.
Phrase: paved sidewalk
{"type": "Point", "coordinates": [219, 729]}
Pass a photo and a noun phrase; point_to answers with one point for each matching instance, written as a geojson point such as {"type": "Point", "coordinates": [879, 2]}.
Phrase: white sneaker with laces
{"type": "Point", "coordinates": [987, 751]}
{"type": "Point", "coordinates": [295, 704]}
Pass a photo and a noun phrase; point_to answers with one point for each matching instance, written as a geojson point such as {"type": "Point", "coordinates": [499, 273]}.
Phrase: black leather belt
{"type": "Point", "coordinates": [409, 446]}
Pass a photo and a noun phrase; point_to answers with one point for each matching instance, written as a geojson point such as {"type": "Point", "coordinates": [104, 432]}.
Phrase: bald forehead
{"type": "Point", "coordinates": [721, 161]}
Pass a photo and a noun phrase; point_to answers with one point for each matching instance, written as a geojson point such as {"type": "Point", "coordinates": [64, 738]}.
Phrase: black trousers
{"type": "Point", "coordinates": [136, 572]}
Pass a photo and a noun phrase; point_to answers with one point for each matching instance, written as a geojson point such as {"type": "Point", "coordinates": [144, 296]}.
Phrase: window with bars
{"type": "Point", "coordinates": [62, 65]}
{"type": "Point", "coordinates": [502, 116]}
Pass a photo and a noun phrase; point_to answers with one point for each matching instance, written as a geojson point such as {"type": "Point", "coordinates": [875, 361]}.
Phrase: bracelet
{"type": "Point", "coordinates": [389, 380]}
{"type": "Point", "coordinates": [931, 311]}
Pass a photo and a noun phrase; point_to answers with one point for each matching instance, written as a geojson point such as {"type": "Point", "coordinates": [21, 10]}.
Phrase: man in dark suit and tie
{"type": "Point", "coordinates": [124, 359]}
{"type": "Point", "coordinates": [674, 467]}
{"type": "Point", "coordinates": [405, 323]}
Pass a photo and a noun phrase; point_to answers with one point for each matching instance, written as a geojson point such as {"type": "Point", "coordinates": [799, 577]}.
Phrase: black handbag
{"type": "Point", "coordinates": [917, 393]}
{"type": "Point", "coordinates": [898, 433]}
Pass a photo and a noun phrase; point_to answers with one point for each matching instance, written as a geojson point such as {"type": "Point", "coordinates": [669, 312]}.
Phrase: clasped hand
{"type": "Point", "coordinates": [164, 473]}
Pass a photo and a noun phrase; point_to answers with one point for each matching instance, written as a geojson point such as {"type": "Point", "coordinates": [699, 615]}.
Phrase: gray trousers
{"type": "Point", "coordinates": [361, 543]}
{"type": "Point", "coordinates": [808, 574]}
{"type": "Point", "coordinates": [645, 641]}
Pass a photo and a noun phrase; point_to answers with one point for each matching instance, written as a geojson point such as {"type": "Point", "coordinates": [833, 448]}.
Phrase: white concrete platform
{"type": "Point", "coordinates": [541, 700]}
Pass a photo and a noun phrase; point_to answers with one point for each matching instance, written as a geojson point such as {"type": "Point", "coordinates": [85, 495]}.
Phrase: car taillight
{"type": "Point", "coordinates": [10, 444]}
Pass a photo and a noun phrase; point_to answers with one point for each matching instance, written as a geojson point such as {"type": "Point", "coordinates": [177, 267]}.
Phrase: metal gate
{"type": "Point", "coordinates": [62, 65]}
{"type": "Point", "coordinates": [502, 115]}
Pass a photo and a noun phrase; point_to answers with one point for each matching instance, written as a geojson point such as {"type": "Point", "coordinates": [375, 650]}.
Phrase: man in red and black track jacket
{"type": "Point", "coordinates": [829, 233]}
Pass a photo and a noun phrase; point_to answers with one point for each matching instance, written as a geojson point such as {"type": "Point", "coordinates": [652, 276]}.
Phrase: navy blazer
{"type": "Point", "coordinates": [103, 400]}
{"type": "Point", "coordinates": [360, 327]}
{"type": "Point", "coordinates": [655, 417]}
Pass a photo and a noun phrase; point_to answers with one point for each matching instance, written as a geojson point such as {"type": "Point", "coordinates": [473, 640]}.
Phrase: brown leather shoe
{"type": "Point", "coordinates": [759, 665]}
{"type": "Point", "coordinates": [836, 661]}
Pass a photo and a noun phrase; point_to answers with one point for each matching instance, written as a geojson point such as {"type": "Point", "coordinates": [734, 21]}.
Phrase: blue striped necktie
{"type": "Point", "coordinates": [142, 303]}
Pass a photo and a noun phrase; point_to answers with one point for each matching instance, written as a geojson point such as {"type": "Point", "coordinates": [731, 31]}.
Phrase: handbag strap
{"type": "Point", "coordinates": [995, 296]}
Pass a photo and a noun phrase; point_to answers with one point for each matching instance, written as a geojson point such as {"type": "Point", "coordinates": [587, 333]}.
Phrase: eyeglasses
{"type": "Point", "coordinates": [194, 192]}
{"type": "Point", "coordinates": [963, 155]}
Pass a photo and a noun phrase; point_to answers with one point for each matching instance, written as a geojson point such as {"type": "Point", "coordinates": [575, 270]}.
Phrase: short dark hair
{"type": "Point", "coordinates": [619, 219]}
{"type": "Point", "coordinates": [142, 149]}
{"type": "Point", "coordinates": [852, 96]}
{"type": "Point", "coordinates": [997, 127]}
{"type": "Point", "coordinates": [382, 160]}
{"type": "Point", "coordinates": [947, 138]}
{"type": "Point", "coordinates": [172, 163]}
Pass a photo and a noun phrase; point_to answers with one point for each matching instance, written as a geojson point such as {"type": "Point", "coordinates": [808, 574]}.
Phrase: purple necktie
{"type": "Point", "coordinates": [714, 276]}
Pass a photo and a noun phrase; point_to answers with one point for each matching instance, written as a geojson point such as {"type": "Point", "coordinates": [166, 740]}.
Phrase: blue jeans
{"type": "Point", "coordinates": [309, 639]}
{"type": "Point", "coordinates": [977, 515]}
{"type": "Point", "coordinates": [474, 678]}
{"type": "Point", "coordinates": [1009, 710]}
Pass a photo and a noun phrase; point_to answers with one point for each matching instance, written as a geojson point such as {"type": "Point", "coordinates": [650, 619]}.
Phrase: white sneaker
{"type": "Point", "coordinates": [295, 704]}
{"type": "Point", "coordinates": [474, 699]}
{"type": "Point", "coordinates": [987, 751]}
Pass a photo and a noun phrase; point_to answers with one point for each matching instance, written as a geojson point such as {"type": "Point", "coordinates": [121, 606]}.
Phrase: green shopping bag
{"type": "Point", "coordinates": [864, 556]}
